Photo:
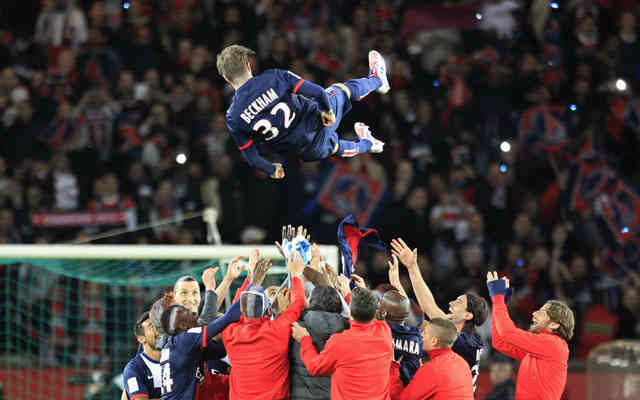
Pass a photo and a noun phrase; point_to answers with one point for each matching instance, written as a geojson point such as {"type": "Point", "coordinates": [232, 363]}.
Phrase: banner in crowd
{"type": "Point", "coordinates": [595, 189]}
{"type": "Point", "coordinates": [350, 192]}
{"type": "Point", "coordinates": [63, 220]}
{"type": "Point", "coordinates": [544, 129]}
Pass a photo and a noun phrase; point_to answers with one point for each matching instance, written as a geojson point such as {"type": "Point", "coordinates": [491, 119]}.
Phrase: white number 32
{"type": "Point", "coordinates": [264, 126]}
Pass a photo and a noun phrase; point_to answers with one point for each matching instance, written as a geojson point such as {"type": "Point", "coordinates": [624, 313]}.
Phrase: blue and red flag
{"type": "Point", "coordinates": [350, 235]}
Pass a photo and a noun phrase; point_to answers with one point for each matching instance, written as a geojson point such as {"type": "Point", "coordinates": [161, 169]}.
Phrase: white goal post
{"type": "Point", "coordinates": [149, 252]}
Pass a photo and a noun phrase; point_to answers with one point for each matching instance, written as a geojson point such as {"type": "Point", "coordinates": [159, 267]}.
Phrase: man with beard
{"type": "Point", "coordinates": [467, 311]}
{"type": "Point", "coordinates": [543, 351]}
{"type": "Point", "coordinates": [142, 374]}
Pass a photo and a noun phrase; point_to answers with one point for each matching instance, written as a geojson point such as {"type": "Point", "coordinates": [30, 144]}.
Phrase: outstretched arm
{"type": "Point", "coordinates": [250, 153]}
{"type": "Point", "coordinates": [409, 259]}
{"type": "Point", "coordinates": [233, 272]}
{"type": "Point", "coordinates": [510, 339]}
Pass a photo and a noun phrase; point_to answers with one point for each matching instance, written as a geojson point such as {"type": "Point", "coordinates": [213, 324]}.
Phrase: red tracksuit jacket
{"type": "Point", "coordinates": [258, 352]}
{"type": "Point", "coordinates": [446, 377]}
{"type": "Point", "coordinates": [359, 359]}
{"type": "Point", "coordinates": [543, 367]}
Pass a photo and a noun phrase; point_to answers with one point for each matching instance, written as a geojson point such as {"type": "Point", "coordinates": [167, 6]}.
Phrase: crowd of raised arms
{"type": "Point", "coordinates": [323, 335]}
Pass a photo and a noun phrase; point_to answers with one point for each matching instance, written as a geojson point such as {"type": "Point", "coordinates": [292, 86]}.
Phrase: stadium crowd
{"type": "Point", "coordinates": [496, 109]}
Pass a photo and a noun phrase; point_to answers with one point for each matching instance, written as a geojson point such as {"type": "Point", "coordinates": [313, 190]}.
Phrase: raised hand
{"type": "Point", "coordinates": [262, 266]}
{"type": "Point", "coordinates": [408, 257]}
{"type": "Point", "coordinates": [295, 264]}
{"type": "Point", "coordinates": [331, 275]}
{"type": "Point", "coordinates": [254, 256]}
{"type": "Point", "coordinates": [359, 281]}
{"type": "Point", "coordinates": [235, 269]}
{"type": "Point", "coordinates": [492, 276]}
{"type": "Point", "coordinates": [209, 278]}
{"type": "Point", "coordinates": [394, 275]}
{"type": "Point", "coordinates": [342, 284]}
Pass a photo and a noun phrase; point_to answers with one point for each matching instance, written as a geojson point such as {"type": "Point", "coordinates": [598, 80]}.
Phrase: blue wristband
{"type": "Point", "coordinates": [497, 287]}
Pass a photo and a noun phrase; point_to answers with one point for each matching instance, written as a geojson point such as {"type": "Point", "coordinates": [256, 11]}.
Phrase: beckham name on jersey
{"type": "Point", "coordinates": [258, 105]}
{"type": "Point", "coordinates": [408, 346]}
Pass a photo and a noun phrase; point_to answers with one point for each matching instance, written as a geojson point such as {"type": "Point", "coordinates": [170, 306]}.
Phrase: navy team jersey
{"type": "Point", "coordinates": [268, 109]}
{"type": "Point", "coordinates": [407, 342]}
{"type": "Point", "coordinates": [469, 347]}
{"type": "Point", "coordinates": [142, 378]}
{"type": "Point", "coordinates": [182, 355]}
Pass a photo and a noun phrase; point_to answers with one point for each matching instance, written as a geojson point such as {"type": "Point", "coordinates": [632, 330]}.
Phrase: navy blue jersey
{"type": "Point", "coordinates": [469, 347]}
{"type": "Point", "coordinates": [142, 378]}
{"type": "Point", "coordinates": [407, 342]}
{"type": "Point", "coordinates": [267, 108]}
{"type": "Point", "coordinates": [182, 356]}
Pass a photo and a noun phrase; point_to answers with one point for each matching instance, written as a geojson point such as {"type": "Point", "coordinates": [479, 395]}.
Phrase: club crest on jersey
{"type": "Point", "coordinates": [258, 104]}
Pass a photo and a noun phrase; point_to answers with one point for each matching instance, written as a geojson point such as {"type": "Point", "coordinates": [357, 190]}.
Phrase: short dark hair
{"type": "Point", "coordinates": [186, 278]}
{"type": "Point", "coordinates": [364, 304]}
{"type": "Point", "coordinates": [445, 331]}
{"type": "Point", "coordinates": [138, 329]}
{"type": "Point", "coordinates": [325, 298]}
{"type": "Point", "coordinates": [477, 306]}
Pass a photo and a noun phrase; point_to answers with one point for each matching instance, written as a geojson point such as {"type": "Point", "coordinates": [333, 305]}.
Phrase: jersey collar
{"type": "Point", "coordinates": [143, 354]}
{"type": "Point", "coordinates": [438, 352]}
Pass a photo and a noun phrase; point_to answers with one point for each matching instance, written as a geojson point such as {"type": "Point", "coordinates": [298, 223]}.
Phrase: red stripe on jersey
{"type": "Point", "coordinates": [300, 82]}
{"type": "Point", "coordinates": [204, 336]}
{"type": "Point", "coordinates": [249, 143]}
{"type": "Point", "coordinates": [140, 396]}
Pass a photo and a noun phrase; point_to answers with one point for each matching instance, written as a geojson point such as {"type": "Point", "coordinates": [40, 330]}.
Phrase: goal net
{"type": "Point", "coordinates": [67, 311]}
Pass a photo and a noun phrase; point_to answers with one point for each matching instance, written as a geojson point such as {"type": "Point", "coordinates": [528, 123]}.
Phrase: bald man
{"type": "Point", "coordinates": [407, 341]}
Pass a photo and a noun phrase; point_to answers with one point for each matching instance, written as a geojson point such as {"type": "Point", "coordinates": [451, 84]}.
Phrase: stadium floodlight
{"type": "Point", "coordinates": [505, 147]}
{"type": "Point", "coordinates": [181, 158]}
{"type": "Point", "coordinates": [621, 84]}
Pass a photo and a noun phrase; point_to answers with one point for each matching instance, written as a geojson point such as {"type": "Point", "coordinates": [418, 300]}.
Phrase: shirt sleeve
{"type": "Point", "coordinates": [134, 385]}
{"type": "Point", "coordinates": [307, 88]}
{"type": "Point", "coordinates": [515, 340]}
{"type": "Point", "coordinates": [249, 151]}
{"type": "Point", "coordinates": [198, 337]}
{"type": "Point", "coordinates": [319, 364]}
{"type": "Point", "coordinates": [241, 289]}
{"type": "Point", "coordinates": [296, 305]}
{"type": "Point", "coordinates": [423, 385]}
{"type": "Point", "coordinates": [209, 307]}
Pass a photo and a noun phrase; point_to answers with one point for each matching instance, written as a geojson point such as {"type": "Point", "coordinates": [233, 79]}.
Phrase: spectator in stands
{"type": "Point", "coordinates": [501, 375]}
{"type": "Point", "coordinates": [62, 24]}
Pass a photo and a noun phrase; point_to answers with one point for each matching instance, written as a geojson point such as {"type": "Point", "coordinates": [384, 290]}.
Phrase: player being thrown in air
{"type": "Point", "coordinates": [269, 108]}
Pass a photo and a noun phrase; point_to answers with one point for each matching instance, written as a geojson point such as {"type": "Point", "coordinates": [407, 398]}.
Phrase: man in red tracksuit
{"type": "Point", "coordinates": [445, 377]}
{"type": "Point", "coordinates": [543, 351]}
{"type": "Point", "coordinates": [258, 347]}
{"type": "Point", "coordinates": [358, 358]}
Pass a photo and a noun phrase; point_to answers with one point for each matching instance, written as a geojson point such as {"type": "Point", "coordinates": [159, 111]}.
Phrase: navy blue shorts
{"type": "Point", "coordinates": [326, 139]}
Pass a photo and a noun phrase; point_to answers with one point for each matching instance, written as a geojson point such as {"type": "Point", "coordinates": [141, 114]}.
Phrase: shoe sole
{"type": "Point", "coordinates": [374, 56]}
